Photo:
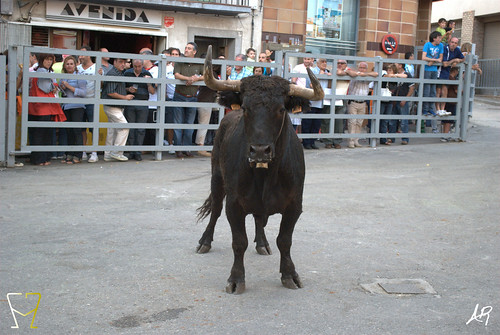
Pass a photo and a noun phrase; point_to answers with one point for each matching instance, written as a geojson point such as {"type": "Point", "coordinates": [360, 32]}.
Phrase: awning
{"type": "Point", "coordinates": [97, 27]}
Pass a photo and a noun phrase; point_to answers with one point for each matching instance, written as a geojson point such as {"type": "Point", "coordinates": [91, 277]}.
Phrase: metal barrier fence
{"type": "Point", "coordinates": [489, 81]}
{"type": "Point", "coordinates": [3, 109]}
{"type": "Point", "coordinates": [281, 67]}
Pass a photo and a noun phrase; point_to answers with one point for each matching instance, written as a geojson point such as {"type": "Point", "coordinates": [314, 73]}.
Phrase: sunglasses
{"type": "Point", "coordinates": [341, 63]}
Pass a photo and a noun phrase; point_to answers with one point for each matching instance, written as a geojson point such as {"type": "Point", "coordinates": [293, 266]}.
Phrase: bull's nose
{"type": "Point", "coordinates": [260, 153]}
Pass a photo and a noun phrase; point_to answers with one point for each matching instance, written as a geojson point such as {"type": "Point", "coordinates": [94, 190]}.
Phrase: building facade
{"type": "Point", "coordinates": [477, 22]}
{"type": "Point", "coordinates": [344, 27]}
{"type": "Point", "coordinates": [129, 25]}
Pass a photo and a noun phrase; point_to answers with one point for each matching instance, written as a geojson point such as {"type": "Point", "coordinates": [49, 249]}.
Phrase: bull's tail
{"type": "Point", "coordinates": [205, 209]}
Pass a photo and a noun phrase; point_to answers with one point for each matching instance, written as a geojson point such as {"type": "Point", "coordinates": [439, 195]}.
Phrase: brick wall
{"type": "Point", "coordinates": [284, 19]}
{"type": "Point", "coordinates": [467, 26]}
{"type": "Point", "coordinates": [381, 17]}
{"type": "Point", "coordinates": [478, 36]}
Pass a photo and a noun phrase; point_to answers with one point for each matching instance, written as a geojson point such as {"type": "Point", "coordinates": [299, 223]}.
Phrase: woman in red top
{"type": "Point", "coordinates": [42, 111]}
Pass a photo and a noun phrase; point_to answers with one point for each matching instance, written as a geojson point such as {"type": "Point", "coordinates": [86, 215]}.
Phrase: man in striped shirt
{"type": "Point", "coordinates": [357, 105]}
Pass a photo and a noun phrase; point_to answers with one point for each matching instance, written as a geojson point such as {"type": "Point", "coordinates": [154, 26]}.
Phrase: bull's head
{"type": "Point", "coordinates": [263, 101]}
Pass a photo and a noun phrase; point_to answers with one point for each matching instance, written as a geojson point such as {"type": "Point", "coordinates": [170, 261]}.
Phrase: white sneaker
{"type": "Point", "coordinates": [118, 157]}
{"type": "Point", "coordinates": [108, 158]}
{"type": "Point", "coordinates": [84, 156]}
{"type": "Point", "coordinates": [93, 157]}
{"type": "Point", "coordinates": [165, 143]}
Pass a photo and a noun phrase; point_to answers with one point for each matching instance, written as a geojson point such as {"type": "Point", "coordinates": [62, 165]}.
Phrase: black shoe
{"type": "Point", "coordinates": [314, 146]}
{"type": "Point", "coordinates": [138, 157]}
{"type": "Point", "coordinates": [188, 154]}
{"type": "Point", "coordinates": [129, 155]}
{"type": "Point", "coordinates": [307, 146]}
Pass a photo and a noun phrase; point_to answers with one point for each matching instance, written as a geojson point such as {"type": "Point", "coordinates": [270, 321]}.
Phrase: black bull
{"type": "Point", "coordinates": [258, 165]}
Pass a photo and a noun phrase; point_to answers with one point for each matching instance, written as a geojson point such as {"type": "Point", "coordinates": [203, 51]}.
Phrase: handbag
{"type": "Point", "coordinates": [386, 92]}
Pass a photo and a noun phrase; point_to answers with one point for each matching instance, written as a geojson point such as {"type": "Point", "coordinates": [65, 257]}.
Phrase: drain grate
{"type": "Point", "coordinates": [398, 286]}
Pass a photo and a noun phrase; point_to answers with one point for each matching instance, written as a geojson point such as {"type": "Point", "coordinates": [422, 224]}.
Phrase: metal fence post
{"type": "Point", "coordinates": [11, 107]}
{"type": "Point", "coordinates": [376, 104]}
{"type": "Point", "coordinates": [464, 115]}
{"type": "Point", "coordinates": [3, 112]}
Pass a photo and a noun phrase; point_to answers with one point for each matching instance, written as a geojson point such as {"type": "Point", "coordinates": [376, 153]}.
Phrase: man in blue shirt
{"type": "Point", "coordinates": [452, 55]}
{"type": "Point", "coordinates": [432, 53]}
{"type": "Point", "coordinates": [239, 72]}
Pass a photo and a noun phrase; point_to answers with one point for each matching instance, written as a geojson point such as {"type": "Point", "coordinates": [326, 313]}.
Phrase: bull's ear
{"type": "Point", "coordinates": [293, 102]}
{"type": "Point", "coordinates": [228, 98]}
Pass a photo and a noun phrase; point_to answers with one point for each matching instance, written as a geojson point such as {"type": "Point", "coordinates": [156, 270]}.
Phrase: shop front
{"type": "Point", "coordinates": [69, 25]}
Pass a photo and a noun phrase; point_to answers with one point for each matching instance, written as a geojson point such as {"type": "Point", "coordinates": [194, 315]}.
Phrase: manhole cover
{"type": "Point", "coordinates": [399, 286]}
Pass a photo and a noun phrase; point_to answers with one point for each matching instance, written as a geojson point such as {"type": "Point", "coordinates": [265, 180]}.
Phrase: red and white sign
{"type": "Point", "coordinates": [168, 22]}
{"type": "Point", "coordinates": [389, 44]}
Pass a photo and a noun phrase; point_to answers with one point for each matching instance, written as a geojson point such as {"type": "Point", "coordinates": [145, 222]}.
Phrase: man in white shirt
{"type": "Point", "coordinates": [303, 82]}
{"type": "Point", "coordinates": [87, 67]}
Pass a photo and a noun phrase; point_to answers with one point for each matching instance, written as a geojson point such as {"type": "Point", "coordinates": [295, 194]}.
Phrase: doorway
{"type": "Point", "coordinates": [126, 43]}
{"type": "Point", "coordinates": [219, 46]}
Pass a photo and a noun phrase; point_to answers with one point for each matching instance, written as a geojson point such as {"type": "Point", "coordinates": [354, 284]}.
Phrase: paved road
{"type": "Point", "coordinates": [110, 246]}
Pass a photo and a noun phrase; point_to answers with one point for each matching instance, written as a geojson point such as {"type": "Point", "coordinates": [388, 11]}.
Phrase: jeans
{"type": "Point", "coordinates": [184, 115]}
{"type": "Point", "coordinates": [429, 91]}
{"type": "Point", "coordinates": [88, 116]}
{"type": "Point", "coordinates": [311, 126]}
{"type": "Point", "coordinates": [40, 136]}
{"type": "Point", "coordinates": [75, 136]}
{"type": "Point", "coordinates": [136, 114]}
{"type": "Point", "coordinates": [405, 110]}
{"type": "Point", "coordinates": [385, 124]}
{"type": "Point", "coordinates": [338, 127]}
{"type": "Point", "coordinates": [59, 137]}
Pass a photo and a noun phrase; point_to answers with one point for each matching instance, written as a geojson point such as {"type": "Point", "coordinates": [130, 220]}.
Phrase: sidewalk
{"type": "Point", "coordinates": [111, 246]}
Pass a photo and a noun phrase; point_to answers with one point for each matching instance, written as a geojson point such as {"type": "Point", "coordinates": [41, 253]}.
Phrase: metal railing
{"type": "Point", "coordinates": [280, 69]}
{"type": "Point", "coordinates": [374, 117]}
{"type": "Point", "coordinates": [489, 81]}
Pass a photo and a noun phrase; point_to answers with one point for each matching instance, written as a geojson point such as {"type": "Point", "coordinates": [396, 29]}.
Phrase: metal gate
{"type": "Point", "coordinates": [281, 67]}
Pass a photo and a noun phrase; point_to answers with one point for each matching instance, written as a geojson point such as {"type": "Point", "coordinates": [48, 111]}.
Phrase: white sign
{"type": "Point", "coordinates": [103, 14]}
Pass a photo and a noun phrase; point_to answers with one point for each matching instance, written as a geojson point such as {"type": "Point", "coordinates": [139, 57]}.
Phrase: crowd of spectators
{"type": "Point", "coordinates": [121, 91]}
{"type": "Point", "coordinates": [441, 53]}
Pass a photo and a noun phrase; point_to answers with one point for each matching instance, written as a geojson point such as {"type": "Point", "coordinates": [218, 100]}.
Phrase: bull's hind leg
{"type": "Point", "coordinates": [261, 244]}
{"type": "Point", "coordinates": [214, 204]}
{"type": "Point", "coordinates": [236, 218]}
{"type": "Point", "coordinates": [289, 278]}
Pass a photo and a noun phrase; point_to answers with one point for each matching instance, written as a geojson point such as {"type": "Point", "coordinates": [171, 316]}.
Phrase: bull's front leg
{"type": "Point", "coordinates": [261, 244]}
{"type": "Point", "coordinates": [289, 278]}
{"type": "Point", "coordinates": [236, 218]}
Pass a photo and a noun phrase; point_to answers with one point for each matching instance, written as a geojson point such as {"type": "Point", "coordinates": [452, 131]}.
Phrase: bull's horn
{"type": "Point", "coordinates": [316, 93]}
{"type": "Point", "coordinates": [214, 84]}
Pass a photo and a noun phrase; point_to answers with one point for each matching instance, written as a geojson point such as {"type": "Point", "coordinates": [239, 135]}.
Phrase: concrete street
{"type": "Point", "coordinates": [110, 246]}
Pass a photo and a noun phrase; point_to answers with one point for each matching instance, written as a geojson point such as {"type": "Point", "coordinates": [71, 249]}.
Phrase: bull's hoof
{"type": "Point", "coordinates": [235, 287]}
{"type": "Point", "coordinates": [203, 248]}
{"type": "Point", "coordinates": [264, 250]}
{"type": "Point", "coordinates": [292, 282]}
